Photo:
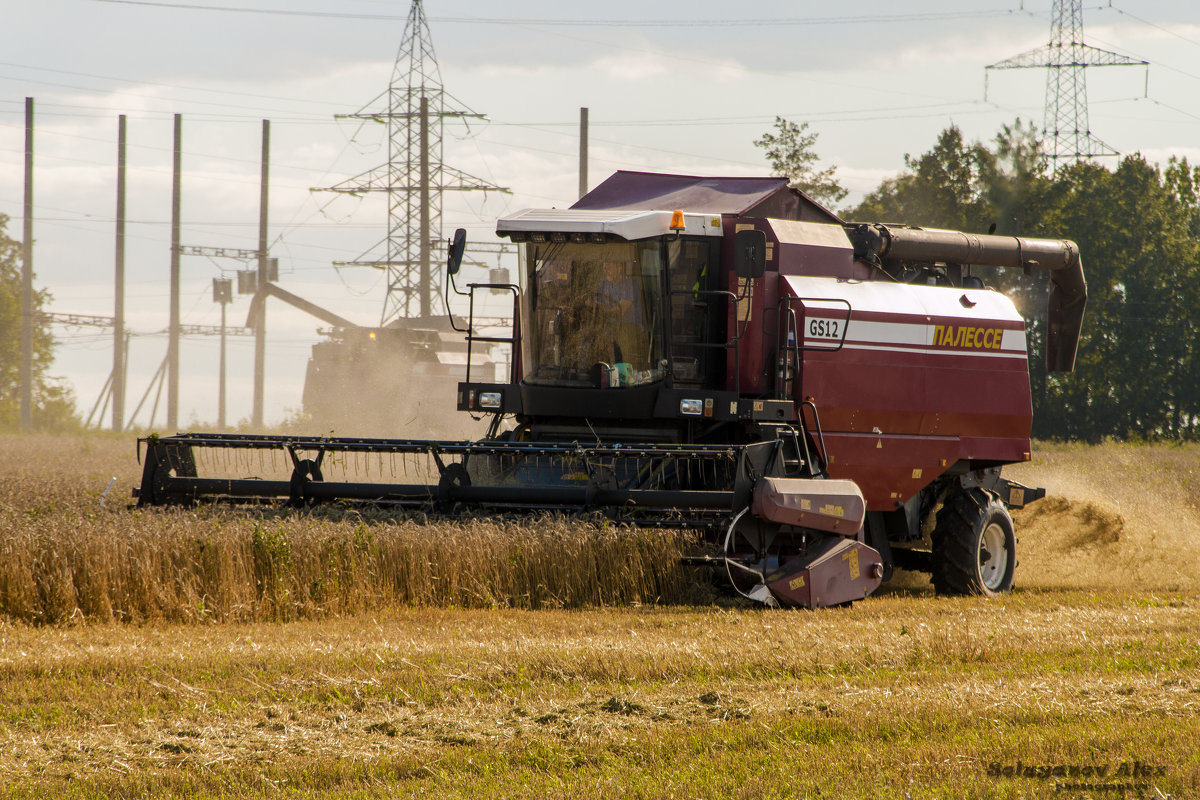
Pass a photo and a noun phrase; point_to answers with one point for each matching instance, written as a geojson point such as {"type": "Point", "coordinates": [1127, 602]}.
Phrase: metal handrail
{"type": "Point", "coordinates": [511, 340]}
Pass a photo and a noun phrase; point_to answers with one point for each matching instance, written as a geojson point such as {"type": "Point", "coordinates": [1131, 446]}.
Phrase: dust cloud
{"type": "Point", "coordinates": [1115, 516]}
{"type": "Point", "coordinates": [385, 389]}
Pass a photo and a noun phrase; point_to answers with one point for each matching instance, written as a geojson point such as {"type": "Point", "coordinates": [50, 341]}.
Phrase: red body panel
{"type": "Point", "coordinates": [747, 372]}
{"type": "Point", "coordinates": [793, 248]}
{"type": "Point", "coordinates": [825, 505]}
{"type": "Point", "coordinates": [911, 379]}
{"type": "Point", "coordinates": [846, 571]}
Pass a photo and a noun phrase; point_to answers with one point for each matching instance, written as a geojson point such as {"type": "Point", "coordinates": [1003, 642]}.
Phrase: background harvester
{"type": "Point", "coordinates": [359, 377]}
{"type": "Point", "coordinates": [828, 400]}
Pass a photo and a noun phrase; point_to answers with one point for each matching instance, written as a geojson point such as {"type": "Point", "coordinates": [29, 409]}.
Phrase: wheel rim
{"type": "Point", "coordinates": [993, 556]}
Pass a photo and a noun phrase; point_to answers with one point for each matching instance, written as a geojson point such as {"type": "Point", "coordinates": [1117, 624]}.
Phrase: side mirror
{"type": "Point", "coordinates": [750, 254]}
{"type": "Point", "coordinates": [455, 251]}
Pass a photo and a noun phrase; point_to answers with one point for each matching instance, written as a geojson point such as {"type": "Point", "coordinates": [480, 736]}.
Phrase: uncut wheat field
{"type": "Point", "coordinates": [236, 653]}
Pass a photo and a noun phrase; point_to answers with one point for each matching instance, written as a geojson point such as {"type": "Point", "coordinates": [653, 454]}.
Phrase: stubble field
{"type": "Point", "coordinates": [225, 653]}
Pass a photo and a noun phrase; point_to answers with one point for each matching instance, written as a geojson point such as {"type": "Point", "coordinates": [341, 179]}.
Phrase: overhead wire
{"type": "Point", "coordinates": [707, 121]}
{"type": "Point", "coordinates": [142, 82]}
{"type": "Point", "coordinates": [163, 149]}
{"type": "Point", "coordinates": [940, 15]}
{"type": "Point", "coordinates": [1174, 33]}
{"type": "Point", "coordinates": [682, 22]}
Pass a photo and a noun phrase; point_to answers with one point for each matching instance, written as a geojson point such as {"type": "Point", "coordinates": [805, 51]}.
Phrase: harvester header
{"type": "Point", "coordinates": [825, 401]}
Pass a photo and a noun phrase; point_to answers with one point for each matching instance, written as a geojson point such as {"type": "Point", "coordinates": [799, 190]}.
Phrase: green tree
{"type": "Point", "coordinates": [1183, 182]}
{"type": "Point", "coordinates": [790, 151]}
{"type": "Point", "coordinates": [1016, 184]}
{"type": "Point", "coordinates": [1135, 375]}
{"type": "Point", "coordinates": [940, 189]}
{"type": "Point", "coordinates": [1014, 179]}
{"type": "Point", "coordinates": [53, 405]}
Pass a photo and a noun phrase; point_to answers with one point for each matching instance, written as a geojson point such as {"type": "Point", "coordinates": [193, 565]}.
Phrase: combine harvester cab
{"type": "Point", "coordinates": [827, 401]}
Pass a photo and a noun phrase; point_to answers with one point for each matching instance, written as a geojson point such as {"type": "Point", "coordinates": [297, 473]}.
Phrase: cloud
{"type": "Point", "coordinates": [630, 67]}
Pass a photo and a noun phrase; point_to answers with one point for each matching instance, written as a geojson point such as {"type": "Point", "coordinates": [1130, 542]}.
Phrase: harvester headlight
{"type": "Point", "coordinates": [489, 399]}
{"type": "Point", "coordinates": [692, 408]}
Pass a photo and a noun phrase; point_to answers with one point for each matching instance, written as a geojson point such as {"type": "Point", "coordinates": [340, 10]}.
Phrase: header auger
{"type": "Point", "coordinates": [826, 401]}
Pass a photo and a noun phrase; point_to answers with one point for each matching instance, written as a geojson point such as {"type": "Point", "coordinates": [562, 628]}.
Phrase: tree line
{"type": "Point", "coordinates": [1137, 372]}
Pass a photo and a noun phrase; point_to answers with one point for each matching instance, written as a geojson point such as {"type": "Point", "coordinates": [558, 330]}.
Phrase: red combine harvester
{"type": "Point", "coordinates": [827, 401]}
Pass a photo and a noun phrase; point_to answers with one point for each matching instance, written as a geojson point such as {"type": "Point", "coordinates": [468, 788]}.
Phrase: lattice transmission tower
{"type": "Point", "coordinates": [1067, 58]}
{"type": "Point", "coordinates": [416, 106]}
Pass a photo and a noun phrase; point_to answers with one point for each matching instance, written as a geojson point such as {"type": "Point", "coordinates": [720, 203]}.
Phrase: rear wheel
{"type": "Point", "coordinates": [974, 547]}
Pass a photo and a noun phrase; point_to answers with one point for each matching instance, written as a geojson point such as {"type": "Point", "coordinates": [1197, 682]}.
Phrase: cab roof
{"type": "Point", "coordinates": [745, 197]}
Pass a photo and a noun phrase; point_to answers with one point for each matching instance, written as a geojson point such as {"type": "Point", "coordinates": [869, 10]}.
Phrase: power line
{"type": "Point", "coordinates": [161, 149]}
{"type": "Point", "coordinates": [1176, 34]}
{"type": "Point", "coordinates": [681, 22]}
{"type": "Point", "coordinates": [141, 82]}
{"type": "Point", "coordinates": [848, 115]}
{"type": "Point", "coordinates": [973, 107]}
{"type": "Point", "coordinates": [1159, 64]}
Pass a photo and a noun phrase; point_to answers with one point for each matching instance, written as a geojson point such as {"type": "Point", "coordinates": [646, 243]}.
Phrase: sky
{"type": "Point", "coordinates": [670, 87]}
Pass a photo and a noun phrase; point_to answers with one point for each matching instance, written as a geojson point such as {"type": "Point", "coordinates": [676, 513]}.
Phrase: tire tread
{"type": "Point", "coordinates": [955, 540]}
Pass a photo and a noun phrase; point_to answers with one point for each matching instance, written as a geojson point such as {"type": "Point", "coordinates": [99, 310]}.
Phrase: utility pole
{"type": "Point", "coordinates": [424, 223]}
{"type": "Point", "coordinates": [260, 324]}
{"type": "Point", "coordinates": [414, 177]}
{"type": "Point", "coordinates": [173, 330]}
{"type": "Point", "coordinates": [26, 400]}
{"type": "Point", "coordinates": [118, 370]}
{"type": "Point", "coordinates": [1066, 57]}
{"type": "Point", "coordinates": [249, 282]}
{"type": "Point", "coordinates": [223, 294]}
{"type": "Point", "coordinates": [583, 151]}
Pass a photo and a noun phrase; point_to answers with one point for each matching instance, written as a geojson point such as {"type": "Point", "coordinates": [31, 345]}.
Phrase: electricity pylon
{"type": "Point", "coordinates": [1065, 124]}
{"type": "Point", "coordinates": [414, 176]}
